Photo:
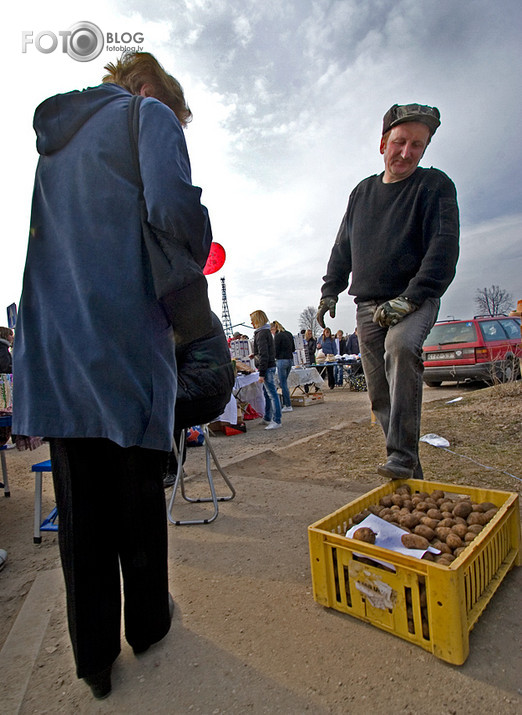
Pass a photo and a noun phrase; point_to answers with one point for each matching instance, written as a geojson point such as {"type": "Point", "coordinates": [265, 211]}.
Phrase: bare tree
{"type": "Point", "coordinates": [493, 301]}
{"type": "Point", "coordinates": [307, 320]}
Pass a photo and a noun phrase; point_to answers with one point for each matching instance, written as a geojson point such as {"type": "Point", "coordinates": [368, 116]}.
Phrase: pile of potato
{"type": "Point", "coordinates": [449, 523]}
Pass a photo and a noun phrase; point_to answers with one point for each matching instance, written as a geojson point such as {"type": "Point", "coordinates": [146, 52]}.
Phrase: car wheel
{"type": "Point", "coordinates": [508, 370]}
{"type": "Point", "coordinates": [433, 383]}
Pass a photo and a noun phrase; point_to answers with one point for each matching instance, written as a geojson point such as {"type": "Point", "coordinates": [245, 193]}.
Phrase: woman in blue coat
{"type": "Point", "coordinates": [94, 363]}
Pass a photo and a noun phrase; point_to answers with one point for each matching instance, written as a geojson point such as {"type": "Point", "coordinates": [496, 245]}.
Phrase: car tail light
{"type": "Point", "coordinates": [481, 354]}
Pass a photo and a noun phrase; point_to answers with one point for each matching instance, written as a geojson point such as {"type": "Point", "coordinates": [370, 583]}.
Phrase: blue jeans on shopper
{"type": "Point", "coordinates": [272, 404]}
{"type": "Point", "coordinates": [393, 367]}
{"type": "Point", "coordinates": [284, 368]}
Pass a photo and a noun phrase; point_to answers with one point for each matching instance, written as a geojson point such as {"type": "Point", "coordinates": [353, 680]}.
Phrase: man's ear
{"type": "Point", "coordinates": [383, 145]}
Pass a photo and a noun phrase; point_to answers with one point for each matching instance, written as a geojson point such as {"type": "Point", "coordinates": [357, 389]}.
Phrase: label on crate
{"type": "Point", "coordinates": [380, 594]}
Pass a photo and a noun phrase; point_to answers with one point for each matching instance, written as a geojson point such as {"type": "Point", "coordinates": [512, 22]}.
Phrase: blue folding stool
{"type": "Point", "coordinates": [49, 523]}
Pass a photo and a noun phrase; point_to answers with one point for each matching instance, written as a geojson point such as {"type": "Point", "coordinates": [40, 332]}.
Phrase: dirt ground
{"type": "Point", "coordinates": [247, 635]}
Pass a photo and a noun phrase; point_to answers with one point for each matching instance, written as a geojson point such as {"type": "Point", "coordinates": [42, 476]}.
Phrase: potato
{"type": "Point", "coordinates": [360, 517]}
{"type": "Point", "coordinates": [476, 507]}
{"type": "Point", "coordinates": [445, 559]}
{"type": "Point", "coordinates": [441, 546]}
{"type": "Point", "coordinates": [448, 515]}
{"type": "Point", "coordinates": [454, 541]}
{"type": "Point", "coordinates": [469, 537]}
{"type": "Point", "coordinates": [476, 517]}
{"type": "Point", "coordinates": [460, 520]}
{"type": "Point", "coordinates": [391, 518]}
{"type": "Point", "coordinates": [422, 506]}
{"type": "Point", "coordinates": [447, 506]}
{"type": "Point", "coordinates": [423, 495]}
{"type": "Point", "coordinates": [463, 508]}
{"type": "Point", "coordinates": [364, 534]}
{"type": "Point", "coordinates": [437, 494]}
{"type": "Point", "coordinates": [432, 523]}
{"type": "Point", "coordinates": [441, 532]}
{"type": "Point", "coordinates": [487, 505]}
{"type": "Point", "coordinates": [396, 499]}
{"type": "Point", "coordinates": [407, 504]}
{"type": "Point", "coordinates": [460, 529]}
{"type": "Point", "coordinates": [386, 500]}
{"type": "Point", "coordinates": [475, 528]}
{"type": "Point", "coordinates": [423, 530]}
{"type": "Point", "coordinates": [374, 509]}
{"type": "Point", "coordinates": [428, 556]}
{"type": "Point", "coordinates": [395, 507]}
{"type": "Point", "coordinates": [458, 551]}
{"type": "Point", "coordinates": [414, 541]}
{"type": "Point", "coordinates": [447, 522]}
{"type": "Point", "coordinates": [434, 514]}
{"type": "Point", "coordinates": [408, 520]}
{"type": "Point", "coordinates": [490, 513]}
{"type": "Point", "coordinates": [403, 489]}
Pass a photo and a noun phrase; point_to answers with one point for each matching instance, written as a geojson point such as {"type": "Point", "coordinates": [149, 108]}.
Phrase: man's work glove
{"type": "Point", "coordinates": [326, 304]}
{"type": "Point", "coordinates": [393, 311]}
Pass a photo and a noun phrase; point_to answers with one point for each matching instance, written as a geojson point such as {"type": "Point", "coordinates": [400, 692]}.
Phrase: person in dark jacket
{"type": "Point", "coordinates": [264, 358]}
{"type": "Point", "coordinates": [284, 355]}
{"type": "Point", "coordinates": [103, 398]}
{"type": "Point", "coordinates": [310, 346]}
{"type": "Point", "coordinates": [352, 344]}
{"type": "Point", "coordinates": [6, 342]}
{"type": "Point", "coordinates": [340, 349]}
{"type": "Point", "coordinates": [399, 240]}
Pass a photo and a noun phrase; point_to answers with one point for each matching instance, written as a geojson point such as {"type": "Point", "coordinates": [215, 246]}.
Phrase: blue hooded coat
{"type": "Point", "coordinates": [94, 354]}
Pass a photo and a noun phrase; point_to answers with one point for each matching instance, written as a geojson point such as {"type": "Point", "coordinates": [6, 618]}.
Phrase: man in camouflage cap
{"type": "Point", "coordinates": [399, 241]}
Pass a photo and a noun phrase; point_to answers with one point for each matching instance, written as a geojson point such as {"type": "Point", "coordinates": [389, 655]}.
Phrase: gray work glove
{"type": "Point", "coordinates": [393, 311]}
{"type": "Point", "coordinates": [326, 304]}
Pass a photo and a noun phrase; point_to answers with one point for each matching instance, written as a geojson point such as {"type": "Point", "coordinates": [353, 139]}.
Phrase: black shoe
{"type": "Point", "coordinates": [168, 480]}
{"type": "Point", "coordinates": [392, 470]}
{"type": "Point", "coordinates": [100, 684]}
{"type": "Point", "coordinates": [138, 650]}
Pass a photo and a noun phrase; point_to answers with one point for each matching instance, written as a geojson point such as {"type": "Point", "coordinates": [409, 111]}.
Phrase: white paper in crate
{"type": "Point", "coordinates": [388, 536]}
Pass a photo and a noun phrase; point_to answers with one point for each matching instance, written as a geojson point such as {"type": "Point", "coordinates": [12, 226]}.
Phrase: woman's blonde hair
{"type": "Point", "coordinates": [135, 69]}
{"type": "Point", "coordinates": [277, 325]}
{"type": "Point", "coordinates": [258, 318]}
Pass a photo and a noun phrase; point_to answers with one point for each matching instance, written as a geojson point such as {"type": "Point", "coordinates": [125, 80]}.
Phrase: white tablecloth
{"type": "Point", "coordinates": [304, 376]}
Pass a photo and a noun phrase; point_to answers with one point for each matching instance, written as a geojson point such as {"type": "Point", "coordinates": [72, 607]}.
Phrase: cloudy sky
{"type": "Point", "coordinates": [288, 99]}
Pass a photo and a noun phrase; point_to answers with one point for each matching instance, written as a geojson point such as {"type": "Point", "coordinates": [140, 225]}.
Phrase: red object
{"type": "Point", "coordinates": [215, 260]}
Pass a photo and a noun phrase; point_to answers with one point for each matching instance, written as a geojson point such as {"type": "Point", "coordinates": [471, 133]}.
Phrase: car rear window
{"type": "Point", "coordinates": [448, 333]}
{"type": "Point", "coordinates": [492, 330]}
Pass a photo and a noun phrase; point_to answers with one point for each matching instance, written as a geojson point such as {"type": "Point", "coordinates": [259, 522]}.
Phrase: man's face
{"type": "Point", "coordinates": [403, 149]}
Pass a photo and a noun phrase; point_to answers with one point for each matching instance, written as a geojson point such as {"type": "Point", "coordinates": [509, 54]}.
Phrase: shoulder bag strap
{"type": "Point", "coordinates": [133, 116]}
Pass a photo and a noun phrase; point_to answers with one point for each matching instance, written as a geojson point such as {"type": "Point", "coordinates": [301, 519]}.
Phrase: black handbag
{"type": "Point", "coordinates": [183, 294]}
{"type": "Point", "coordinates": [206, 376]}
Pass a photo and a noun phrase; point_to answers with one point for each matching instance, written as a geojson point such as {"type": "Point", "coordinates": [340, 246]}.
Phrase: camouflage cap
{"type": "Point", "coordinates": [400, 113]}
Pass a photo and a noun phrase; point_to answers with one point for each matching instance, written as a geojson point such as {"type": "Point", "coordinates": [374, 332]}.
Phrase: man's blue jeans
{"type": "Point", "coordinates": [284, 368]}
{"type": "Point", "coordinates": [272, 404]}
{"type": "Point", "coordinates": [393, 367]}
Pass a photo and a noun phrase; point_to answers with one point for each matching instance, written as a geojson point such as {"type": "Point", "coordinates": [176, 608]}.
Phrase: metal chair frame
{"type": "Point", "coordinates": [180, 482]}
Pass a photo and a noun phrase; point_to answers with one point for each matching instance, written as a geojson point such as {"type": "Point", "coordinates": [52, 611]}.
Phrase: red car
{"type": "Point", "coordinates": [483, 348]}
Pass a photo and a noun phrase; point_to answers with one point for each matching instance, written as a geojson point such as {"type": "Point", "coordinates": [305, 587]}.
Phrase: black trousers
{"type": "Point", "coordinates": [112, 516]}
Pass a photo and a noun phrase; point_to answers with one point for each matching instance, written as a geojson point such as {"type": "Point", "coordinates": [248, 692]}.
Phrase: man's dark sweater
{"type": "Point", "coordinates": [397, 239]}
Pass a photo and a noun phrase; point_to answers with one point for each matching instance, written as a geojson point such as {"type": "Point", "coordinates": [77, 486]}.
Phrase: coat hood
{"type": "Point", "coordinates": [58, 118]}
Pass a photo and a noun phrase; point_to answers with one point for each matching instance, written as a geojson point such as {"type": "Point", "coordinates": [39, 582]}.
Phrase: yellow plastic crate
{"type": "Point", "coordinates": [428, 604]}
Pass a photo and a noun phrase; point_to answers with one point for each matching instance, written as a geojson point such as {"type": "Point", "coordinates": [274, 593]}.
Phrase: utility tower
{"type": "Point", "coordinates": [225, 315]}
